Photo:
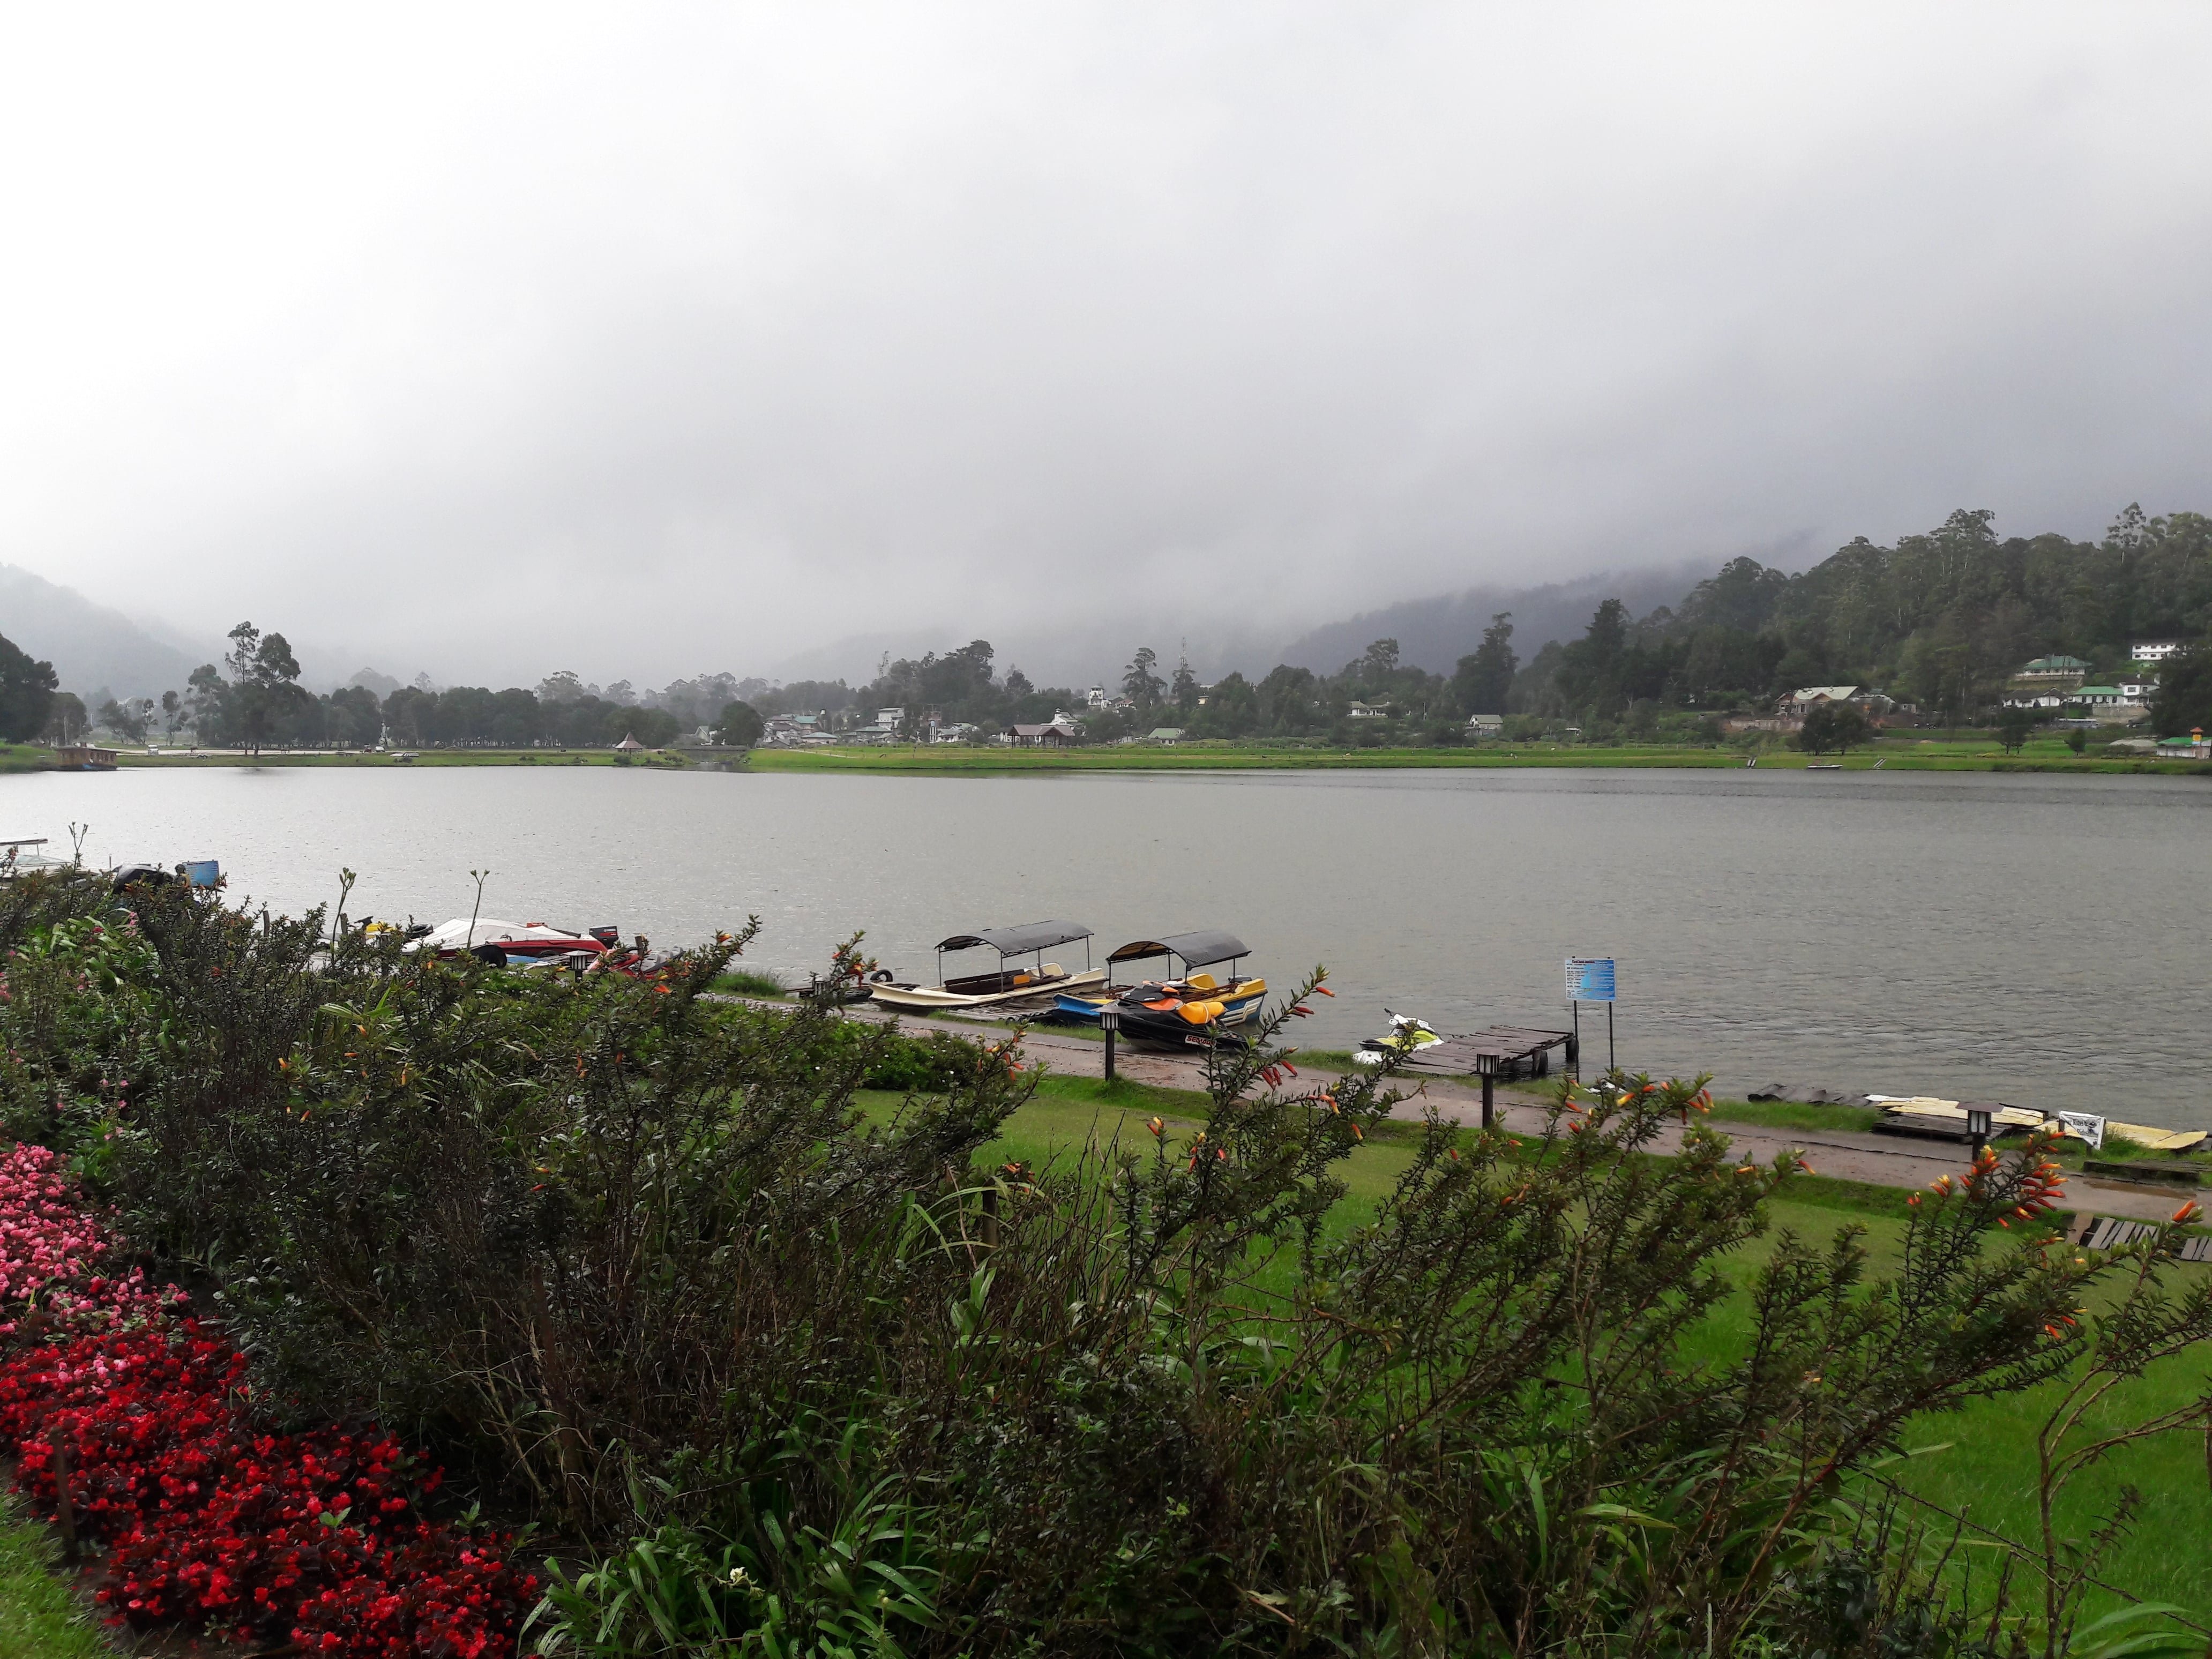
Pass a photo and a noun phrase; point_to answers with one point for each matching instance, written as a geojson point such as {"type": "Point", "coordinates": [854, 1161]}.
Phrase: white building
{"type": "Point", "coordinates": [2154, 650]}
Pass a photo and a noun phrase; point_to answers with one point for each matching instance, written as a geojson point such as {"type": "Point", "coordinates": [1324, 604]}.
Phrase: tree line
{"type": "Point", "coordinates": [1940, 620]}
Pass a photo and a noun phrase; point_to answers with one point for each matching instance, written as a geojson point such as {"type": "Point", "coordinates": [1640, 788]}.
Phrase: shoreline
{"type": "Point", "coordinates": [950, 762]}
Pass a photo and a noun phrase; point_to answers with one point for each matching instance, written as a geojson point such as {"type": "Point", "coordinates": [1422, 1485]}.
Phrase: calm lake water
{"type": "Point", "coordinates": [2026, 939]}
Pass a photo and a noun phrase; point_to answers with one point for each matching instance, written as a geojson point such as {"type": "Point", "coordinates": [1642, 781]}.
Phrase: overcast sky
{"type": "Point", "coordinates": [646, 340]}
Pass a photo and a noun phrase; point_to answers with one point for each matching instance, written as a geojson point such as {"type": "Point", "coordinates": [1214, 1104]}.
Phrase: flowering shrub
{"type": "Point", "coordinates": [313, 1538]}
{"type": "Point", "coordinates": [43, 1235]}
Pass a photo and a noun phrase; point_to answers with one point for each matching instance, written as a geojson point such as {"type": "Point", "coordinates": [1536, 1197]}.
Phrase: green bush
{"type": "Point", "coordinates": [808, 1383]}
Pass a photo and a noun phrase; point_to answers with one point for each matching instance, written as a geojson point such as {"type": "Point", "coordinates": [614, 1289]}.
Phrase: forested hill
{"type": "Point", "coordinates": [1942, 619]}
{"type": "Point", "coordinates": [1435, 633]}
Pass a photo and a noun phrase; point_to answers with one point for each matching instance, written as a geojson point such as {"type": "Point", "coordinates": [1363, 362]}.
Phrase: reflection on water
{"type": "Point", "coordinates": [2023, 938]}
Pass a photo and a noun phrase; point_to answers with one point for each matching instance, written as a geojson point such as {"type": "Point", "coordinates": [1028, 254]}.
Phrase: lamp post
{"type": "Point", "coordinates": [1486, 1067]}
{"type": "Point", "coordinates": [1109, 1022]}
{"type": "Point", "coordinates": [1977, 1125]}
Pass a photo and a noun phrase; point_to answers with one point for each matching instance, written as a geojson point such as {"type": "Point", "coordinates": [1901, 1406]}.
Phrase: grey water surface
{"type": "Point", "coordinates": [2023, 938]}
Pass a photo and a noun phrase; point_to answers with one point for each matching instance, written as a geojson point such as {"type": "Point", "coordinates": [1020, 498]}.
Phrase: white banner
{"type": "Point", "coordinates": [2090, 1129]}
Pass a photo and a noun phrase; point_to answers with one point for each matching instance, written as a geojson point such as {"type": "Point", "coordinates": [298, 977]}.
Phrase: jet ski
{"type": "Point", "coordinates": [1406, 1034]}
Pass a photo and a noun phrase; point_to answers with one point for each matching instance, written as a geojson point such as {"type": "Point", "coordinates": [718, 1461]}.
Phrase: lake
{"type": "Point", "coordinates": [2021, 937]}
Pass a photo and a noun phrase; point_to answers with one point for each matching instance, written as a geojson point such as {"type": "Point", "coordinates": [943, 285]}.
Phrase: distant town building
{"type": "Point", "coordinates": [1486, 725]}
{"type": "Point", "coordinates": [1367, 711]}
{"type": "Point", "coordinates": [2055, 668]}
{"type": "Point", "coordinates": [628, 745]}
{"type": "Point", "coordinates": [2192, 747]}
{"type": "Point", "coordinates": [1167, 734]}
{"type": "Point", "coordinates": [1808, 696]}
{"type": "Point", "coordinates": [1057, 732]}
{"type": "Point", "coordinates": [2155, 650]}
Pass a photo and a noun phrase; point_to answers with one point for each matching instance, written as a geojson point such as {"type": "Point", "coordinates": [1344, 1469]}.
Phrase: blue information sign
{"type": "Point", "coordinates": [1590, 979]}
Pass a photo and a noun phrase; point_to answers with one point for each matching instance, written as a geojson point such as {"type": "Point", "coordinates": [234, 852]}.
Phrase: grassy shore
{"type": "Point", "coordinates": [1892, 754]}
{"type": "Point", "coordinates": [1969, 752]}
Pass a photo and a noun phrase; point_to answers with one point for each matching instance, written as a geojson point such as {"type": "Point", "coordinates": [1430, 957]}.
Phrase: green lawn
{"type": "Point", "coordinates": [39, 1618]}
{"type": "Point", "coordinates": [1903, 753]}
{"type": "Point", "coordinates": [1986, 1473]}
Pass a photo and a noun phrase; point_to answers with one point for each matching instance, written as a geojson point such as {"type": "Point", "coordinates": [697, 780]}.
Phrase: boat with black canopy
{"type": "Point", "coordinates": [1198, 1007]}
{"type": "Point", "coordinates": [1197, 952]}
{"type": "Point", "coordinates": [1010, 982]}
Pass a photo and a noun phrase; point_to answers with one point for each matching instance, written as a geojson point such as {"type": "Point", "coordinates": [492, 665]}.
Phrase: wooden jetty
{"type": "Point", "coordinates": [1502, 1051]}
{"type": "Point", "coordinates": [1506, 1051]}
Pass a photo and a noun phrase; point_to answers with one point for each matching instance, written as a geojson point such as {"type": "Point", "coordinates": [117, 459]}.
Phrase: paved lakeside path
{"type": "Point", "coordinates": [1844, 1154]}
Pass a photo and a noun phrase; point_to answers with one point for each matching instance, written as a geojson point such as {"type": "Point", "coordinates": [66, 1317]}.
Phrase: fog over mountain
{"type": "Point", "coordinates": [91, 646]}
{"type": "Point", "coordinates": [644, 339]}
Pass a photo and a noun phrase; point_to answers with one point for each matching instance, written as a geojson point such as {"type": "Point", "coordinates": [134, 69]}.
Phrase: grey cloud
{"type": "Point", "coordinates": [694, 338]}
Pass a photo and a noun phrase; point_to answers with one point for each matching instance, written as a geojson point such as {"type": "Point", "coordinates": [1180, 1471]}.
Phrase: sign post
{"type": "Point", "coordinates": [1592, 979]}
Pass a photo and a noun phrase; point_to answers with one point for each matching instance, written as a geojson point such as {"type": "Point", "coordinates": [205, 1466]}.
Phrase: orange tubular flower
{"type": "Point", "coordinates": [2188, 1213]}
{"type": "Point", "coordinates": [1357, 1133]}
{"type": "Point", "coordinates": [1323, 991]}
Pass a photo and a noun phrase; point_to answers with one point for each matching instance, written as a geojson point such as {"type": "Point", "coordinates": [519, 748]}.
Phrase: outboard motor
{"type": "Point", "coordinates": [609, 937]}
{"type": "Point", "coordinates": [141, 875]}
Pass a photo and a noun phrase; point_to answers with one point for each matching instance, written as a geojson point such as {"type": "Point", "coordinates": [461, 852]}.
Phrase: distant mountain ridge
{"type": "Point", "coordinates": [91, 648]}
{"type": "Point", "coordinates": [1434, 634]}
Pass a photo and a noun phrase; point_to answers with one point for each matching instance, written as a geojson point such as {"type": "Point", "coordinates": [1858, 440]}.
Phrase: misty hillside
{"type": "Point", "coordinates": [1436, 632]}
{"type": "Point", "coordinates": [89, 646]}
